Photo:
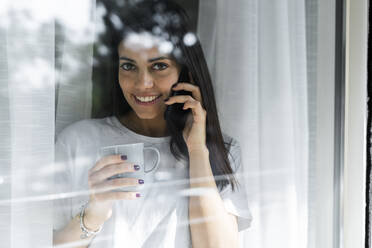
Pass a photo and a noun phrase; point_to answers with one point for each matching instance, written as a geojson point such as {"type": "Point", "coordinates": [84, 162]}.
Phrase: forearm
{"type": "Point", "coordinates": [71, 233]}
{"type": "Point", "coordinates": [209, 221]}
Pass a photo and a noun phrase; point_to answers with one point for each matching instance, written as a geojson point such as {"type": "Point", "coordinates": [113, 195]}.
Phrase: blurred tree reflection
{"type": "Point", "coordinates": [103, 83]}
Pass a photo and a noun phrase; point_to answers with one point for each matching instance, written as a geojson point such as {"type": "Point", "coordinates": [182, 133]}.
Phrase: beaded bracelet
{"type": "Point", "coordinates": [86, 232]}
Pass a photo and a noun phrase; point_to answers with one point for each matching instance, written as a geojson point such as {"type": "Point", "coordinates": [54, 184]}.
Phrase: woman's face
{"type": "Point", "coordinates": [146, 77]}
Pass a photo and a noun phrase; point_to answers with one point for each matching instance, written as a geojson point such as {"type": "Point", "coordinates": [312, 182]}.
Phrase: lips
{"type": "Point", "coordinates": [146, 100]}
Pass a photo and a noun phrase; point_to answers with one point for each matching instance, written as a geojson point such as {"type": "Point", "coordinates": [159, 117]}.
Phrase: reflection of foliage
{"type": "Point", "coordinates": [118, 22]}
{"type": "Point", "coordinates": [30, 50]}
{"type": "Point", "coordinates": [73, 63]}
{"type": "Point", "coordinates": [103, 83]}
{"type": "Point", "coordinates": [111, 12]}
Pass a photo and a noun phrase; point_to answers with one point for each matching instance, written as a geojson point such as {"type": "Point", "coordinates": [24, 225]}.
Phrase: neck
{"type": "Point", "coordinates": [149, 127]}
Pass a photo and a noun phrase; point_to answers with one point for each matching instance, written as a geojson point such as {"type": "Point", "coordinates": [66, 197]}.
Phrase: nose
{"type": "Point", "coordinates": [145, 80]}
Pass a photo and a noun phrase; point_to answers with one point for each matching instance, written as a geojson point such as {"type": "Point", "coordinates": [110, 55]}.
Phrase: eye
{"type": "Point", "coordinates": [128, 66]}
{"type": "Point", "coordinates": [159, 66]}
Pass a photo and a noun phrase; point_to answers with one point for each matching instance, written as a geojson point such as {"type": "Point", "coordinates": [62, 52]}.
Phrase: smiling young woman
{"type": "Point", "coordinates": [146, 76]}
{"type": "Point", "coordinates": [148, 47]}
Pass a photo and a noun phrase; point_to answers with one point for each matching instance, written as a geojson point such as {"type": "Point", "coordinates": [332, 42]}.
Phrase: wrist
{"type": "Point", "coordinates": [87, 232]}
{"type": "Point", "coordinates": [94, 220]}
{"type": "Point", "coordinates": [198, 149]}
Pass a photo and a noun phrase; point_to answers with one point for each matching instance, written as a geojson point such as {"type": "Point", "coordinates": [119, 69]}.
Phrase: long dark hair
{"type": "Point", "coordinates": [167, 20]}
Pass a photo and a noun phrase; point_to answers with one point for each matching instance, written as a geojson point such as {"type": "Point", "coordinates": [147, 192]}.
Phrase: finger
{"type": "Point", "coordinates": [192, 105]}
{"type": "Point", "coordinates": [194, 89]}
{"type": "Point", "coordinates": [116, 183]}
{"type": "Point", "coordinates": [179, 99]}
{"type": "Point", "coordinates": [198, 112]}
{"type": "Point", "coordinates": [117, 195]}
{"type": "Point", "coordinates": [111, 159]}
{"type": "Point", "coordinates": [111, 170]}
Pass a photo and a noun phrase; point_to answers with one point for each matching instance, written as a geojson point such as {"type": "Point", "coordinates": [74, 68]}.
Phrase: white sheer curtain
{"type": "Point", "coordinates": [74, 73]}
{"type": "Point", "coordinates": [256, 50]}
{"type": "Point", "coordinates": [26, 122]}
{"type": "Point", "coordinates": [29, 85]}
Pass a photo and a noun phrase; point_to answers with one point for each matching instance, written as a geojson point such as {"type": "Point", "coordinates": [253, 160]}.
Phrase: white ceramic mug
{"type": "Point", "coordinates": [135, 154]}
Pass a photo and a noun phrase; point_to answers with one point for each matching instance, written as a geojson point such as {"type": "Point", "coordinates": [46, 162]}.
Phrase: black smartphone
{"type": "Point", "coordinates": [174, 113]}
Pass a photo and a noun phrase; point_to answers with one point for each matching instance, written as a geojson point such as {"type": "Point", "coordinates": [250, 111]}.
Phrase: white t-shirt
{"type": "Point", "coordinates": [157, 219]}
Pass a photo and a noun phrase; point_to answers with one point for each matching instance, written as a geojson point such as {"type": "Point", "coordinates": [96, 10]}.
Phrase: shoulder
{"type": "Point", "coordinates": [88, 128]}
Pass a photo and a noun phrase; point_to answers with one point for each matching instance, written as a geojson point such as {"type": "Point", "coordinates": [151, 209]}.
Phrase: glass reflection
{"type": "Point", "coordinates": [152, 91]}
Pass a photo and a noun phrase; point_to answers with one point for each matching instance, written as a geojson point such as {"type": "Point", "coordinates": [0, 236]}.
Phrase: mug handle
{"type": "Point", "coordinates": [157, 161]}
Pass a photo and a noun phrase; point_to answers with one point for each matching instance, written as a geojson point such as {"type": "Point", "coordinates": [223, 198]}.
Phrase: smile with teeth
{"type": "Point", "coordinates": [146, 98]}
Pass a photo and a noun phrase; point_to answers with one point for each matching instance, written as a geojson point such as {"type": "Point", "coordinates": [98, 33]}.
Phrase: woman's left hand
{"type": "Point", "coordinates": [194, 132]}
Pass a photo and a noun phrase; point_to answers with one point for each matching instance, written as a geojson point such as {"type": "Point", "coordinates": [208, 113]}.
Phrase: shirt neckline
{"type": "Point", "coordinates": [150, 139]}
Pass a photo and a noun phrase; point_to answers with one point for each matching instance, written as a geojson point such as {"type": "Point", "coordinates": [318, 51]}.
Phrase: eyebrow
{"type": "Point", "coordinates": [150, 60]}
{"type": "Point", "coordinates": [158, 58]}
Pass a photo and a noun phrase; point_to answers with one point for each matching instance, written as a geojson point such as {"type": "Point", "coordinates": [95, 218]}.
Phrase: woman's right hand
{"type": "Point", "coordinates": [102, 196]}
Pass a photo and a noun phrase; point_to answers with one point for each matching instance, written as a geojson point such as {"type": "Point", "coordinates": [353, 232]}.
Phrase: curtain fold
{"type": "Point", "coordinates": [75, 20]}
{"type": "Point", "coordinates": [5, 138]}
{"type": "Point", "coordinates": [27, 123]}
{"type": "Point", "coordinates": [256, 51]}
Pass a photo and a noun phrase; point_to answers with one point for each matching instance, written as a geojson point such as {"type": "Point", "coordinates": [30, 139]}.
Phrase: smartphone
{"type": "Point", "coordinates": [174, 114]}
